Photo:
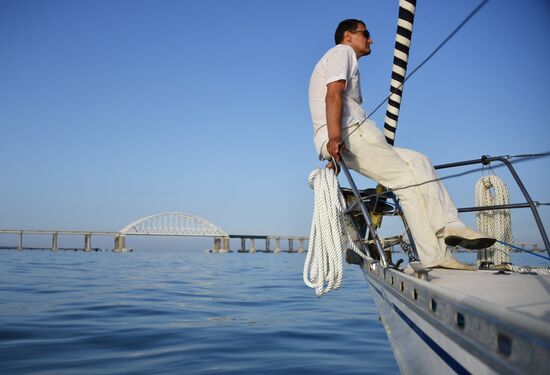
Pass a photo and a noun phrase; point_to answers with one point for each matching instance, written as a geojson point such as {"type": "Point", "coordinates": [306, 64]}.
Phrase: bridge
{"type": "Point", "coordinates": [167, 224]}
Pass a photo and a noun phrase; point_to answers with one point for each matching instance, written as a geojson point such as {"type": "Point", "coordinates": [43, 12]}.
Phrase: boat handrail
{"type": "Point", "coordinates": [364, 211]}
{"type": "Point", "coordinates": [371, 228]}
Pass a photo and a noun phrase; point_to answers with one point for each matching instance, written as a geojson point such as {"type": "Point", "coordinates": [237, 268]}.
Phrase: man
{"type": "Point", "coordinates": [340, 130]}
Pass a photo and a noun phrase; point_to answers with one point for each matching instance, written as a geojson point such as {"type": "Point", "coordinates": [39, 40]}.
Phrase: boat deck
{"type": "Point", "coordinates": [526, 294]}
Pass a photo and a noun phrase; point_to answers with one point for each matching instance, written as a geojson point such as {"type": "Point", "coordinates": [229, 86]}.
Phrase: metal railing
{"type": "Point", "coordinates": [371, 236]}
{"type": "Point", "coordinates": [486, 160]}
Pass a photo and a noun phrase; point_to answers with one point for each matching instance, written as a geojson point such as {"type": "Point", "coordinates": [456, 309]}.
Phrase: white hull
{"type": "Point", "coordinates": [460, 334]}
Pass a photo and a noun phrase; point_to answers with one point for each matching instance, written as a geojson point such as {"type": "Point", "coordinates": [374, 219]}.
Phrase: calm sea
{"type": "Point", "coordinates": [182, 312]}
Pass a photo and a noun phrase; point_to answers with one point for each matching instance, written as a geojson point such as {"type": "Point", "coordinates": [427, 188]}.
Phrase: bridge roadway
{"type": "Point", "coordinates": [221, 243]}
{"type": "Point", "coordinates": [171, 223]}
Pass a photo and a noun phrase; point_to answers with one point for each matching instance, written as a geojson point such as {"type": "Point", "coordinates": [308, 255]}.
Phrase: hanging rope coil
{"type": "Point", "coordinates": [492, 191]}
{"type": "Point", "coordinates": [329, 235]}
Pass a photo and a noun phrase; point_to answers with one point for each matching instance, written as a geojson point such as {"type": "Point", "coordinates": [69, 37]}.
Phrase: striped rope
{"type": "Point", "coordinates": [399, 70]}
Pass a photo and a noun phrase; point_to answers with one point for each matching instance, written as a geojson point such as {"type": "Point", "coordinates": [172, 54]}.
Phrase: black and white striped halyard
{"type": "Point", "coordinates": [399, 70]}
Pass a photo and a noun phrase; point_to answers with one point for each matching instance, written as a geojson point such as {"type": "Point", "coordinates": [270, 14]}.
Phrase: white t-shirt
{"type": "Point", "coordinates": [338, 63]}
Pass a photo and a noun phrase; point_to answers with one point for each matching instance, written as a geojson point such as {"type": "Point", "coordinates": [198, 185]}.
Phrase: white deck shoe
{"type": "Point", "coordinates": [467, 238]}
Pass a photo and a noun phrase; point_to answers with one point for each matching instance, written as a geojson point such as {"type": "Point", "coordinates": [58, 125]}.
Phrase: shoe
{"type": "Point", "coordinates": [408, 270]}
{"type": "Point", "coordinates": [467, 238]}
{"type": "Point", "coordinates": [451, 263]}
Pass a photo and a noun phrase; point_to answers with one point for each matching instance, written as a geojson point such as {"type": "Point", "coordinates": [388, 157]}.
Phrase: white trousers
{"type": "Point", "coordinates": [428, 207]}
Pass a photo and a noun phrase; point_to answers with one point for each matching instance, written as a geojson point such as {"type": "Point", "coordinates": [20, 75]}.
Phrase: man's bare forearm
{"type": "Point", "coordinates": [334, 117]}
{"type": "Point", "coordinates": [334, 107]}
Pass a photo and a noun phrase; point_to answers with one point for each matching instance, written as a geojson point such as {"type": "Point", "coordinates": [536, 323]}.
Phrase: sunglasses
{"type": "Point", "coordinates": [364, 32]}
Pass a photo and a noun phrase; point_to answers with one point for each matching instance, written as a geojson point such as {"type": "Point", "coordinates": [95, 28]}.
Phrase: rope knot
{"type": "Point", "coordinates": [487, 182]}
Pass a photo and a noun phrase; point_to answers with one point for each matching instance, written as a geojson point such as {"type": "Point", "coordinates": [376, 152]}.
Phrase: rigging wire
{"type": "Point", "coordinates": [521, 249]}
{"type": "Point", "coordinates": [452, 34]}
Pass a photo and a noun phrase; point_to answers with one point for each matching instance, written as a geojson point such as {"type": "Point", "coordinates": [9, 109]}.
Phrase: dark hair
{"type": "Point", "coordinates": [346, 25]}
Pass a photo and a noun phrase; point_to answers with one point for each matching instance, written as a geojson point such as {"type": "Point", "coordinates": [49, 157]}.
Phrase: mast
{"type": "Point", "coordinates": [399, 70]}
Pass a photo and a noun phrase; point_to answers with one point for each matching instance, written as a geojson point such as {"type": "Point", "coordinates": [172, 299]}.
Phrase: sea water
{"type": "Point", "coordinates": [185, 311]}
{"type": "Point", "coordinates": [182, 311]}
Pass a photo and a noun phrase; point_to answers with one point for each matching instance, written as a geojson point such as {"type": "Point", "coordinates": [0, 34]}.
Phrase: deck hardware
{"type": "Point", "coordinates": [433, 305]}
{"type": "Point", "coordinates": [392, 280]}
{"type": "Point", "coordinates": [402, 286]}
{"type": "Point", "coordinates": [415, 294]}
{"type": "Point", "coordinates": [460, 320]}
{"type": "Point", "coordinates": [504, 344]}
{"type": "Point", "coordinates": [353, 258]}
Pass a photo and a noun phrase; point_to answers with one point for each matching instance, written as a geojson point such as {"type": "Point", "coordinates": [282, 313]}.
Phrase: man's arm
{"type": "Point", "coordinates": [334, 105]}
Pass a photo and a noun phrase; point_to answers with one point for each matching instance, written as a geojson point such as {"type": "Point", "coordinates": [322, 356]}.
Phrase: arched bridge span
{"type": "Point", "coordinates": [173, 224]}
{"type": "Point", "coordinates": [169, 224]}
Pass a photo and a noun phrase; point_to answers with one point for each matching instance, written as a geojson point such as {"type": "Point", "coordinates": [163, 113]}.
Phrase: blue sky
{"type": "Point", "coordinates": [115, 110]}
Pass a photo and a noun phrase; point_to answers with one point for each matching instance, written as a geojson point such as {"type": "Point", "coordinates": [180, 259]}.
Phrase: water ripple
{"type": "Point", "coordinates": [162, 312]}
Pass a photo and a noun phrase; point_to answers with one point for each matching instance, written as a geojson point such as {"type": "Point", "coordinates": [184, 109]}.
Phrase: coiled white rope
{"type": "Point", "coordinates": [329, 234]}
{"type": "Point", "coordinates": [491, 191]}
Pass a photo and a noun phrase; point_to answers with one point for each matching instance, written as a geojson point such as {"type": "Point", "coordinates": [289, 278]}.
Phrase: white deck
{"type": "Point", "coordinates": [522, 293]}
